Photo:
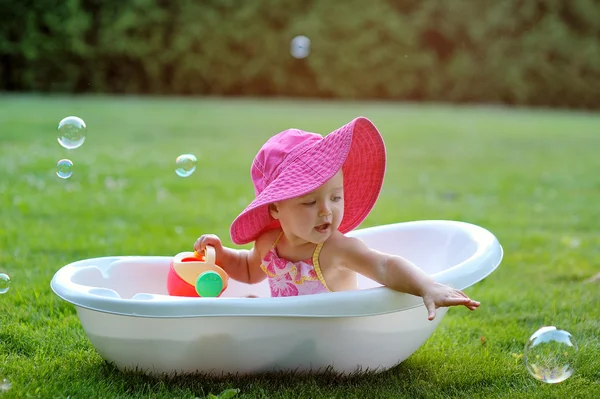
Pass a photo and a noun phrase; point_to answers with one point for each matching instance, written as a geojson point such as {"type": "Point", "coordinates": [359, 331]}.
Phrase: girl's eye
{"type": "Point", "coordinates": [336, 199]}
{"type": "Point", "coordinates": [309, 203]}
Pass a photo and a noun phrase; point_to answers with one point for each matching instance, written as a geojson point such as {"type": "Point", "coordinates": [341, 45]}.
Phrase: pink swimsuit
{"type": "Point", "coordinates": [288, 278]}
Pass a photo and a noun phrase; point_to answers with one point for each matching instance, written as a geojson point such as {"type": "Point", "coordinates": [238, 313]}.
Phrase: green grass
{"type": "Point", "coordinates": [530, 176]}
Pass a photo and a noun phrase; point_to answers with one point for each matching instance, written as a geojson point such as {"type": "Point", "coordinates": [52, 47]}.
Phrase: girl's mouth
{"type": "Point", "coordinates": [323, 228]}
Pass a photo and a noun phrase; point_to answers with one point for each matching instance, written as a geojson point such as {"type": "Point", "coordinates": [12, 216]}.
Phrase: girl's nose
{"type": "Point", "coordinates": [324, 211]}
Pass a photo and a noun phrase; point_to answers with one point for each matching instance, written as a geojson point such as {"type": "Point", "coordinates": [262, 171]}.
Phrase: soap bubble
{"type": "Point", "coordinates": [64, 168]}
{"type": "Point", "coordinates": [300, 47]}
{"type": "Point", "coordinates": [186, 165]}
{"type": "Point", "coordinates": [5, 385]}
{"type": "Point", "coordinates": [71, 132]}
{"type": "Point", "coordinates": [4, 283]}
{"type": "Point", "coordinates": [550, 355]}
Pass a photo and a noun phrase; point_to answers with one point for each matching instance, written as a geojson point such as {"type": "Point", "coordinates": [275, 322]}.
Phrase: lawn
{"type": "Point", "coordinates": [529, 176]}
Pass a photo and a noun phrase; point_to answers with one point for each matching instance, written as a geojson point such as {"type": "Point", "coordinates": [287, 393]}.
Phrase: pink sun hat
{"type": "Point", "coordinates": [294, 162]}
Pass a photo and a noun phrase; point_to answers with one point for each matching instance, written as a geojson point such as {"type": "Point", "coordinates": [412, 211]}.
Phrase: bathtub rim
{"type": "Point", "coordinates": [360, 303]}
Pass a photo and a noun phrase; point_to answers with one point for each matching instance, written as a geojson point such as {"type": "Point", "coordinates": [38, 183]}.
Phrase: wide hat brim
{"type": "Point", "coordinates": [356, 147]}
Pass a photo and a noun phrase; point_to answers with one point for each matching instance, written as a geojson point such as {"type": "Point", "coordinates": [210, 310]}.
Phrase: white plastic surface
{"type": "Point", "coordinates": [124, 308]}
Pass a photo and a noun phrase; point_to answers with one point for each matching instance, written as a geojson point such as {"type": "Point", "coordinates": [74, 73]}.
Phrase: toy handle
{"type": "Point", "coordinates": [210, 255]}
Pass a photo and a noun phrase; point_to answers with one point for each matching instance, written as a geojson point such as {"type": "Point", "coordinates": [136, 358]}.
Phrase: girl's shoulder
{"type": "Point", "coordinates": [265, 241]}
{"type": "Point", "coordinates": [337, 239]}
{"type": "Point", "coordinates": [339, 244]}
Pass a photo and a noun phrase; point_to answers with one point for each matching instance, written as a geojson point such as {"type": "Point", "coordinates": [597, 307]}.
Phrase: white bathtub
{"type": "Point", "coordinates": [130, 319]}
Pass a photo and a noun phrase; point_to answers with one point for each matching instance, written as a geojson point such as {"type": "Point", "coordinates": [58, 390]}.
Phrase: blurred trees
{"type": "Point", "coordinates": [533, 52]}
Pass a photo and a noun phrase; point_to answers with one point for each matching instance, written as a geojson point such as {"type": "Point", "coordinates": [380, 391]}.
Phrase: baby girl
{"type": "Point", "coordinates": [310, 191]}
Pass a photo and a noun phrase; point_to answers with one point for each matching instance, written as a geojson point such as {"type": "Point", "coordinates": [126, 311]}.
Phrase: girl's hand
{"type": "Point", "coordinates": [437, 295]}
{"type": "Point", "coordinates": [209, 239]}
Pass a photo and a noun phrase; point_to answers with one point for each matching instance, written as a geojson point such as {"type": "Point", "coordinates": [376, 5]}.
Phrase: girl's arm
{"type": "Point", "coordinates": [392, 271]}
{"type": "Point", "coordinates": [398, 274]}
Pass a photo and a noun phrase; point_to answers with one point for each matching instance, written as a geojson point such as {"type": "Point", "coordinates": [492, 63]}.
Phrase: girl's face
{"type": "Point", "coordinates": [314, 216]}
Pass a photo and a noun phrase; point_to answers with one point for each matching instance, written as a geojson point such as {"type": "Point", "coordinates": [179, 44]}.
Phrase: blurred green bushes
{"type": "Point", "coordinates": [531, 52]}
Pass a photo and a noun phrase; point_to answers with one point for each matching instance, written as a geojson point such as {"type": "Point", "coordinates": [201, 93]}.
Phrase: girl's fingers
{"type": "Point", "coordinates": [431, 313]}
{"type": "Point", "coordinates": [430, 305]}
{"type": "Point", "coordinates": [198, 245]}
{"type": "Point", "coordinates": [460, 301]}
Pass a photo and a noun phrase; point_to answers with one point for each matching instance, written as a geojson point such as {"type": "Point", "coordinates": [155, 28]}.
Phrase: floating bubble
{"type": "Point", "coordinates": [4, 283]}
{"type": "Point", "coordinates": [300, 47]}
{"type": "Point", "coordinates": [572, 242]}
{"type": "Point", "coordinates": [5, 385]}
{"type": "Point", "coordinates": [186, 165]}
{"type": "Point", "coordinates": [550, 355]}
{"type": "Point", "coordinates": [64, 168]}
{"type": "Point", "coordinates": [71, 132]}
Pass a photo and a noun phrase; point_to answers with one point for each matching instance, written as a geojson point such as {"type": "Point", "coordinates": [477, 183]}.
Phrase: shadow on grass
{"type": "Point", "coordinates": [267, 383]}
{"type": "Point", "coordinates": [411, 379]}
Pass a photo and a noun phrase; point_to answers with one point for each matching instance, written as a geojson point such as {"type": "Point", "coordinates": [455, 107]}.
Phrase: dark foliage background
{"type": "Point", "coordinates": [527, 52]}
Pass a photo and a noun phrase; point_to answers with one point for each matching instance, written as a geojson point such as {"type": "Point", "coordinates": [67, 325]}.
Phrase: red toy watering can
{"type": "Point", "coordinates": [196, 275]}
